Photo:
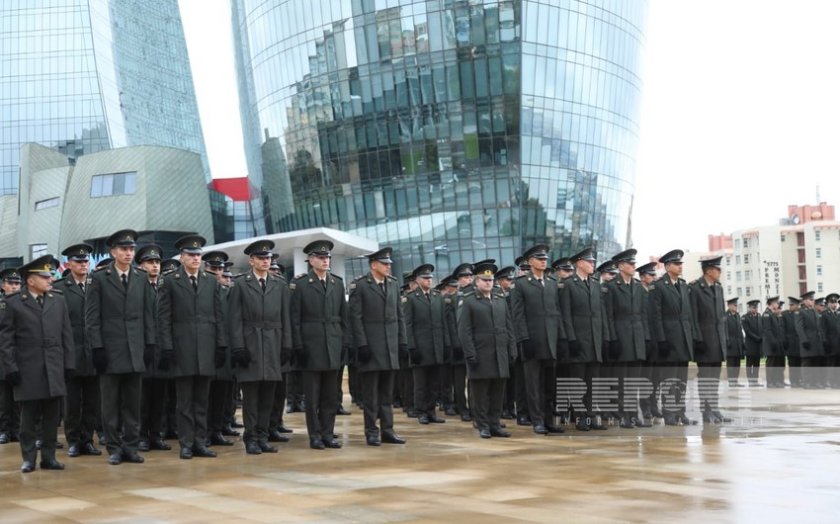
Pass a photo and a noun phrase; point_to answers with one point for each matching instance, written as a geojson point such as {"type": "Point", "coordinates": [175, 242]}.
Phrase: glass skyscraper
{"type": "Point", "coordinates": [453, 130]}
{"type": "Point", "coordinates": [86, 75]}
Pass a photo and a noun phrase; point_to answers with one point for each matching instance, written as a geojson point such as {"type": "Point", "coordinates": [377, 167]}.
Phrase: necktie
{"type": "Point", "coordinates": [324, 283]}
{"type": "Point", "coordinates": [194, 283]}
{"type": "Point", "coordinates": [40, 300]}
{"type": "Point", "coordinates": [262, 284]}
{"type": "Point", "coordinates": [154, 286]}
{"type": "Point", "coordinates": [124, 277]}
{"type": "Point", "coordinates": [428, 299]}
{"type": "Point", "coordinates": [542, 282]}
{"type": "Point", "coordinates": [82, 287]}
{"type": "Point", "coordinates": [382, 286]}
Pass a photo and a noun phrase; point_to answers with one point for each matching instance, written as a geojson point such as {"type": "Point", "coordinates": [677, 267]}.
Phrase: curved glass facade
{"type": "Point", "coordinates": [86, 75]}
{"type": "Point", "coordinates": [451, 130]}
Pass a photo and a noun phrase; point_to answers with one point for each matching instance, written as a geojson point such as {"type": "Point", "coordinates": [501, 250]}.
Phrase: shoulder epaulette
{"type": "Point", "coordinates": [520, 277]}
{"type": "Point", "coordinates": [240, 275]}
{"type": "Point", "coordinates": [56, 291]}
{"type": "Point", "coordinates": [336, 276]}
{"type": "Point", "coordinates": [298, 277]}
{"type": "Point", "coordinates": [604, 289]}
{"type": "Point", "coordinates": [651, 287]}
{"type": "Point", "coordinates": [766, 314]}
{"type": "Point", "coordinates": [392, 277]}
{"type": "Point", "coordinates": [140, 269]}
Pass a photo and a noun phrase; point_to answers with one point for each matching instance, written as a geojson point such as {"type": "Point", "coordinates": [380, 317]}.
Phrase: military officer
{"type": "Point", "coordinates": [82, 401]}
{"type": "Point", "coordinates": [649, 404]}
{"type": "Point", "coordinates": [607, 271]}
{"type": "Point", "coordinates": [808, 329]}
{"type": "Point", "coordinates": [581, 303]}
{"type": "Point", "coordinates": [120, 326]}
{"type": "Point", "coordinates": [752, 348]}
{"type": "Point", "coordinates": [773, 343]}
{"type": "Point", "coordinates": [485, 328]}
{"type": "Point", "coordinates": [504, 284]}
{"type": "Point", "coordinates": [319, 334]}
{"type": "Point", "coordinates": [734, 342]}
{"type": "Point", "coordinates": [464, 274]}
{"type": "Point", "coordinates": [792, 342]}
{"type": "Point", "coordinates": [522, 265]}
{"type": "Point", "coordinates": [830, 319]}
{"type": "Point", "coordinates": [376, 320]}
{"type": "Point", "coordinates": [36, 345]}
{"type": "Point", "coordinates": [260, 331]}
{"type": "Point", "coordinates": [673, 330]}
{"type": "Point", "coordinates": [9, 409]}
{"type": "Point", "coordinates": [169, 265]}
{"type": "Point", "coordinates": [449, 292]}
{"type": "Point", "coordinates": [562, 268]}
{"type": "Point", "coordinates": [425, 326]}
{"type": "Point", "coordinates": [192, 333]}
{"type": "Point", "coordinates": [626, 320]}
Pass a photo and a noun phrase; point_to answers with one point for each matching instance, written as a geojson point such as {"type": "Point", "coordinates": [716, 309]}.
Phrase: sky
{"type": "Point", "coordinates": [740, 112]}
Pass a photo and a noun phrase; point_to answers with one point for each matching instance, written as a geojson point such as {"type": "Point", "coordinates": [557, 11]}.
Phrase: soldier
{"type": "Point", "coordinates": [581, 304]}
{"type": "Point", "coordinates": [425, 326]}
{"type": "Point", "coordinates": [607, 271]}
{"type": "Point", "coordinates": [221, 386]}
{"type": "Point", "coordinates": [535, 310]}
{"type": "Point", "coordinates": [319, 333]}
{"type": "Point", "coordinates": [9, 409]}
{"type": "Point", "coordinates": [260, 331]}
{"type": "Point", "coordinates": [119, 320]}
{"type": "Point", "coordinates": [563, 269]}
{"type": "Point", "coordinates": [504, 283]}
{"type": "Point", "coordinates": [449, 291]}
{"type": "Point", "coordinates": [192, 338]}
{"type": "Point", "coordinates": [522, 265]}
{"type": "Point", "coordinates": [156, 381]}
{"type": "Point", "coordinates": [752, 346]}
{"type": "Point", "coordinates": [82, 401]}
{"type": "Point", "coordinates": [404, 381]}
{"type": "Point", "coordinates": [734, 342]}
{"type": "Point", "coordinates": [464, 274]}
{"type": "Point", "coordinates": [792, 342]}
{"type": "Point", "coordinates": [36, 344]}
{"type": "Point", "coordinates": [831, 330]}
{"type": "Point", "coordinates": [773, 343]}
{"type": "Point", "coordinates": [376, 320]}
{"type": "Point", "coordinates": [807, 322]}
{"type": "Point", "coordinates": [486, 330]}
{"type": "Point", "coordinates": [650, 404]}
{"type": "Point", "coordinates": [673, 330]}
{"type": "Point", "coordinates": [169, 265]}
{"type": "Point", "coordinates": [626, 320]}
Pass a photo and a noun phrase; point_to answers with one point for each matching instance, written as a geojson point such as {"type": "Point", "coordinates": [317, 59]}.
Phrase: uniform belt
{"type": "Point", "coordinates": [263, 324]}
{"type": "Point", "coordinates": [324, 320]}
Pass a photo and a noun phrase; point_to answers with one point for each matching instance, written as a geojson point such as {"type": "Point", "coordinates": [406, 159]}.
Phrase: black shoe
{"type": "Point", "coordinates": [228, 431]}
{"type": "Point", "coordinates": [27, 467]}
{"type": "Point", "coordinates": [115, 459]}
{"type": "Point", "coordinates": [523, 421]}
{"type": "Point", "coordinates": [236, 424]}
{"type": "Point", "coordinates": [51, 464]}
{"type": "Point", "coordinates": [216, 439]}
{"type": "Point", "coordinates": [332, 443]}
{"type": "Point", "coordinates": [671, 419]}
{"type": "Point", "coordinates": [626, 423]}
{"type": "Point", "coordinates": [434, 419]}
{"type": "Point", "coordinates": [423, 419]}
{"type": "Point", "coordinates": [159, 444]}
{"type": "Point", "coordinates": [450, 412]}
{"type": "Point", "coordinates": [719, 418]}
{"type": "Point", "coordinates": [581, 426]}
{"type": "Point", "coordinates": [499, 432]}
{"type": "Point", "coordinates": [643, 423]}
{"type": "Point", "coordinates": [507, 415]}
{"type": "Point", "coordinates": [540, 429]}
{"type": "Point", "coordinates": [143, 445]}
{"type": "Point", "coordinates": [201, 451]}
{"type": "Point", "coordinates": [654, 411]}
{"type": "Point", "coordinates": [389, 437]}
{"type": "Point", "coordinates": [275, 436]}
{"type": "Point", "coordinates": [15, 437]}
{"type": "Point", "coordinates": [89, 449]}
{"type": "Point", "coordinates": [134, 458]}
{"type": "Point", "coordinates": [411, 413]}
{"type": "Point", "coordinates": [283, 429]}
{"type": "Point", "coordinates": [5, 438]}
{"type": "Point", "coordinates": [466, 417]}
{"type": "Point", "coordinates": [74, 451]}
{"type": "Point", "coordinates": [373, 440]}
{"type": "Point", "coordinates": [685, 421]}
{"type": "Point", "coordinates": [252, 448]}
{"type": "Point", "coordinates": [102, 440]}
{"type": "Point", "coordinates": [484, 433]}
{"type": "Point", "coordinates": [551, 428]}
{"type": "Point", "coordinates": [317, 444]}
{"type": "Point", "coordinates": [265, 448]}
{"type": "Point", "coordinates": [341, 410]}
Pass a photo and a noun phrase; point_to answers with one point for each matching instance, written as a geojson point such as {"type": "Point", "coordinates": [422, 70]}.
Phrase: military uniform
{"type": "Point", "coordinates": [36, 343]}
{"type": "Point", "coordinates": [773, 346]}
{"type": "Point", "coordinates": [9, 409]}
{"type": "Point", "coordinates": [792, 343]}
{"type": "Point", "coordinates": [221, 387]}
{"type": "Point", "coordinates": [260, 331]}
{"type": "Point", "coordinates": [809, 332]}
{"type": "Point", "coordinates": [376, 320]}
{"type": "Point", "coordinates": [735, 345]}
{"type": "Point", "coordinates": [319, 334]}
{"type": "Point", "coordinates": [120, 324]}
{"type": "Point", "coordinates": [830, 319]}
{"type": "Point", "coordinates": [752, 343]}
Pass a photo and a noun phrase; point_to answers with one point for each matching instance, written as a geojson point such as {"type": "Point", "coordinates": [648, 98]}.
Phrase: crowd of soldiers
{"type": "Point", "coordinates": [139, 351]}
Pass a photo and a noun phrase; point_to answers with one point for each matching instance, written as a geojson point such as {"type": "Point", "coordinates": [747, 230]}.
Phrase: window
{"type": "Point", "coordinates": [748, 291]}
{"type": "Point", "coordinates": [739, 292]}
{"type": "Point", "coordinates": [819, 252]}
{"type": "Point", "coordinates": [738, 276]}
{"type": "Point", "coordinates": [819, 271]}
{"type": "Point", "coordinates": [746, 242]}
{"type": "Point", "coordinates": [37, 250]}
{"type": "Point", "coordinates": [817, 235]}
{"type": "Point", "coordinates": [819, 287]}
{"type": "Point", "coordinates": [738, 243]}
{"type": "Point", "coordinates": [746, 259]}
{"type": "Point", "coordinates": [728, 290]}
{"type": "Point", "coordinates": [44, 204]}
{"type": "Point", "coordinates": [737, 259]}
{"type": "Point", "coordinates": [729, 275]}
{"type": "Point", "coordinates": [747, 274]}
{"type": "Point", "coordinates": [113, 184]}
{"type": "Point", "coordinates": [782, 237]}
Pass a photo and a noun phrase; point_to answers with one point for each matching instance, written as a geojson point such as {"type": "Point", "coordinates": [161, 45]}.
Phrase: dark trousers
{"type": "Point", "coordinates": [812, 372]}
{"type": "Point", "coordinates": [405, 385]}
{"type": "Point", "coordinates": [540, 389]}
{"type": "Point", "coordinates": [584, 372]}
{"type": "Point", "coordinates": [193, 396]}
{"type": "Point", "coordinates": [519, 390]}
{"type": "Point", "coordinates": [753, 367]}
{"type": "Point", "coordinates": [630, 393]}
{"type": "Point", "coordinates": [671, 381]}
{"type": "Point", "coordinates": [81, 413]}
{"type": "Point", "coordinates": [486, 401]}
{"type": "Point", "coordinates": [708, 382]}
{"type": "Point", "coordinates": [733, 369]}
{"type": "Point", "coordinates": [120, 396]}
{"type": "Point", "coordinates": [295, 395]}
{"type": "Point", "coordinates": [795, 370]}
{"type": "Point", "coordinates": [170, 407]}
{"type": "Point", "coordinates": [775, 371]}
{"type": "Point", "coordinates": [353, 384]}
{"type": "Point", "coordinates": [221, 397]}
{"type": "Point", "coordinates": [9, 409]}
{"type": "Point", "coordinates": [278, 408]}
{"type": "Point", "coordinates": [647, 402]}
{"type": "Point", "coordinates": [257, 401]}
{"type": "Point", "coordinates": [319, 388]}
{"type": "Point", "coordinates": [39, 419]}
{"type": "Point", "coordinates": [426, 385]}
{"type": "Point", "coordinates": [339, 384]}
{"type": "Point", "coordinates": [377, 399]}
{"type": "Point", "coordinates": [459, 388]}
{"type": "Point", "coordinates": [509, 398]}
{"type": "Point", "coordinates": [152, 407]}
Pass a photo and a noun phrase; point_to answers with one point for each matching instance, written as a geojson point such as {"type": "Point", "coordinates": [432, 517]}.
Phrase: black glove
{"type": "Point", "coordinates": [240, 357]}
{"type": "Point", "coordinates": [574, 348]}
{"type": "Point", "coordinates": [457, 353]}
{"type": "Point", "coordinates": [699, 347]}
{"type": "Point", "coordinates": [100, 359]}
{"type": "Point", "coordinates": [527, 349]}
{"type": "Point", "coordinates": [363, 354]}
{"type": "Point", "coordinates": [13, 378]}
{"type": "Point", "coordinates": [403, 350]}
{"type": "Point", "coordinates": [614, 349]}
{"type": "Point", "coordinates": [167, 358]}
{"type": "Point", "coordinates": [149, 355]}
{"type": "Point", "coordinates": [472, 362]}
{"type": "Point", "coordinates": [415, 356]}
{"type": "Point", "coordinates": [664, 348]}
{"type": "Point", "coordinates": [447, 354]}
{"type": "Point", "coordinates": [285, 356]}
{"type": "Point", "coordinates": [220, 357]}
{"type": "Point", "coordinates": [806, 345]}
{"type": "Point", "coordinates": [69, 374]}
{"type": "Point", "coordinates": [301, 357]}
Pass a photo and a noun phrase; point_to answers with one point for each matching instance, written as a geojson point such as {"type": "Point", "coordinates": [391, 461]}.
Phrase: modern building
{"type": "Point", "coordinates": [60, 203]}
{"type": "Point", "coordinates": [452, 130]}
{"type": "Point", "coordinates": [82, 76]}
{"type": "Point", "coordinates": [801, 253]}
